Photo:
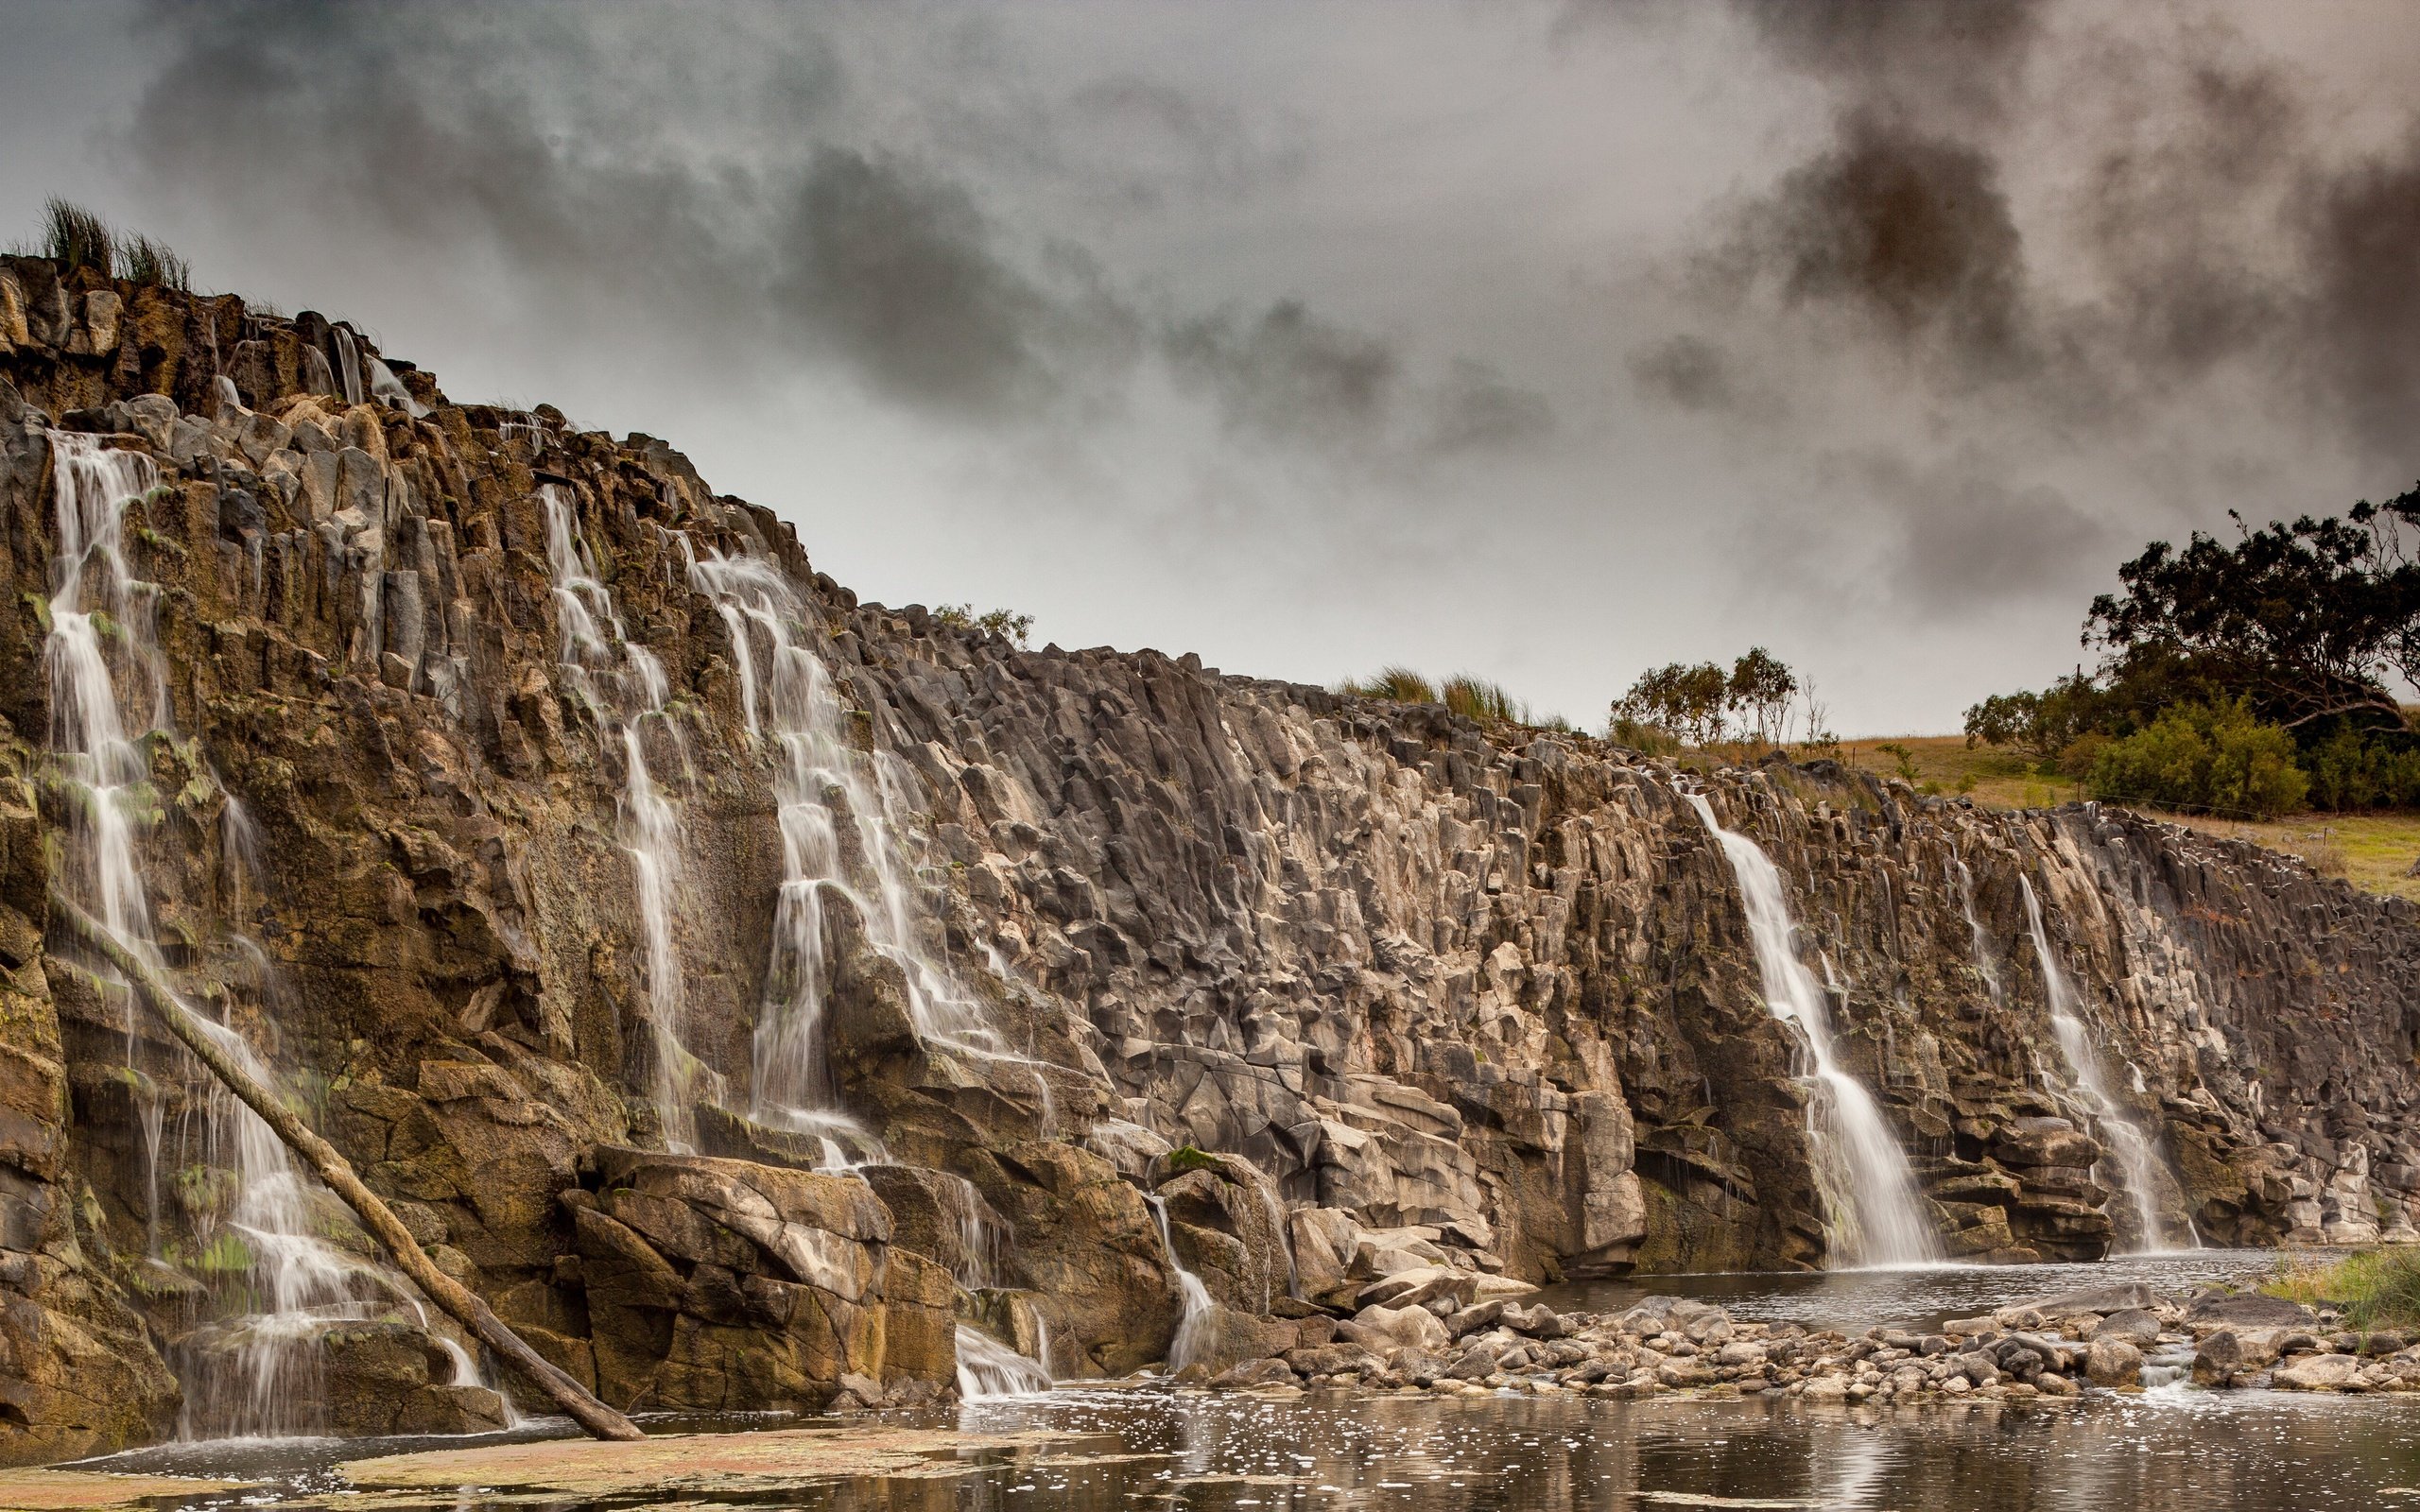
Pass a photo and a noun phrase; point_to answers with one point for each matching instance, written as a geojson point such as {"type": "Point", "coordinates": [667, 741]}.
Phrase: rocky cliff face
{"type": "Point", "coordinates": [533, 811]}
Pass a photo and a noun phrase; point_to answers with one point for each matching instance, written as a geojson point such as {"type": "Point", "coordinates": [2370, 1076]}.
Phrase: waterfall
{"type": "Point", "coordinates": [1875, 1215]}
{"type": "Point", "coordinates": [2137, 1165]}
{"type": "Point", "coordinates": [988, 1369]}
{"type": "Point", "coordinates": [257, 1373]}
{"type": "Point", "coordinates": [625, 684]}
{"type": "Point", "coordinates": [841, 823]}
{"type": "Point", "coordinates": [1193, 1326]}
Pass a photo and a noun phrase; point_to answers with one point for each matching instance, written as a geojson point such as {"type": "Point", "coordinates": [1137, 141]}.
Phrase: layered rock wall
{"type": "Point", "coordinates": [1481, 999]}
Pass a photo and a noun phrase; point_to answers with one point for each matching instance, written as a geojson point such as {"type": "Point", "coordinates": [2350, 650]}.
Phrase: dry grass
{"type": "Point", "coordinates": [2375, 852]}
{"type": "Point", "coordinates": [2376, 1288]}
{"type": "Point", "coordinates": [1947, 765]}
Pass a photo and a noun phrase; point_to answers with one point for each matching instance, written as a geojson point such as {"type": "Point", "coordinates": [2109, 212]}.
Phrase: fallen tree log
{"type": "Point", "coordinates": [463, 1304]}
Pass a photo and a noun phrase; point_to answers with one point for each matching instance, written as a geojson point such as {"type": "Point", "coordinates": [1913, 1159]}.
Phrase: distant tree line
{"type": "Point", "coordinates": [2247, 678]}
{"type": "Point", "coordinates": [1702, 704]}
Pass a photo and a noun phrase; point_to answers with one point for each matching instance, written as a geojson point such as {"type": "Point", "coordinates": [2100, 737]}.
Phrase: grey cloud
{"type": "Point", "coordinates": [1291, 375]}
{"type": "Point", "coordinates": [1288, 372]}
{"type": "Point", "coordinates": [442, 133]}
{"type": "Point", "coordinates": [1964, 533]}
{"type": "Point", "coordinates": [1941, 58]}
{"type": "Point", "coordinates": [1476, 409]}
{"type": "Point", "coordinates": [1688, 372]}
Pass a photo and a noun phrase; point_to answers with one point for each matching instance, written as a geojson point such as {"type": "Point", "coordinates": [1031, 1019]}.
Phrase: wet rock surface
{"type": "Point", "coordinates": [1397, 1015]}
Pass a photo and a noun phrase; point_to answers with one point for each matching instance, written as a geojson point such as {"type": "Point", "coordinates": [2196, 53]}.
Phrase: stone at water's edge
{"type": "Point", "coordinates": [1360, 989]}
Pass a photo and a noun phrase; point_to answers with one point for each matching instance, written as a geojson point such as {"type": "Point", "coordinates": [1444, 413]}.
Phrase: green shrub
{"type": "Point", "coordinates": [2352, 769]}
{"type": "Point", "coordinates": [2203, 758]}
{"type": "Point", "coordinates": [1006, 623]}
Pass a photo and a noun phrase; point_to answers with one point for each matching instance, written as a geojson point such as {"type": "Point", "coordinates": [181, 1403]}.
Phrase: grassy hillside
{"type": "Point", "coordinates": [2373, 852]}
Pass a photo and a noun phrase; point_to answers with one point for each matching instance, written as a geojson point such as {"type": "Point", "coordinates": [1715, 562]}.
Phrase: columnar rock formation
{"type": "Point", "coordinates": [1354, 986]}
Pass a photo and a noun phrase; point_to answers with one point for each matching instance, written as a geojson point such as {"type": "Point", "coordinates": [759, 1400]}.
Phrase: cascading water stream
{"type": "Point", "coordinates": [1875, 1215]}
{"type": "Point", "coordinates": [253, 1373]}
{"type": "Point", "coordinates": [1193, 1326]}
{"type": "Point", "coordinates": [2138, 1163]}
{"type": "Point", "coordinates": [823, 783]}
{"type": "Point", "coordinates": [625, 683]}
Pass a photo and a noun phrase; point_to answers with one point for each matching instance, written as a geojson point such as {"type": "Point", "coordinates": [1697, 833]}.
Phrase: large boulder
{"type": "Point", "coordinates": [716, 1284]}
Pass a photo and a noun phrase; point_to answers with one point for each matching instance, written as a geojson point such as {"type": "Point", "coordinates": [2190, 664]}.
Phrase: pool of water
{"type": "Point", "coordinates": [1125, 1447]}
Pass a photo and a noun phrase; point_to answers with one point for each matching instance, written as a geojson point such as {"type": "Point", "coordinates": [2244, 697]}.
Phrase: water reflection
{"type": "Point", "coordinates": [1151, 1447]}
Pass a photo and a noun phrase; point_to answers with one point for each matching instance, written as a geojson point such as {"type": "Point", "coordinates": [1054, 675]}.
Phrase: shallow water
{"type": "Point", "coordinates": [1151, 1446]}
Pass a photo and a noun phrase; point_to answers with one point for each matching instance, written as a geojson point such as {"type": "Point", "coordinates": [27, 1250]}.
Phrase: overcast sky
{"type": "Point", "coordinates": [1545, 341]}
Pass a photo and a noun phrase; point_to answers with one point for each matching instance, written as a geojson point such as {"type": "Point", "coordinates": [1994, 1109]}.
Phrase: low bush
{"type": "Point", "coordinates": [2204, 759]}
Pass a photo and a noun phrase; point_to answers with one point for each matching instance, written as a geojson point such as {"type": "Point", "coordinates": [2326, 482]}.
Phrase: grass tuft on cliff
{"type": "Point", "coordinates": [1472, 698]}
{"type": "Point", "coordinates": [75, 237]}
{"type": "Point", "coordinates": [2374, 1289]}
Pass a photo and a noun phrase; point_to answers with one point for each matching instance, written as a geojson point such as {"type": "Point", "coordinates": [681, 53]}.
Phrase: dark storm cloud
{"type": "Point", "coordinates": [1907, 233]}
{"type": "Point", "coordinates": [1688, 372]}
{"type": "Point", "coordinates": [2212, 241]}
{"type": "Point", "coordinates": [442, 131]}
{"type": "Point", "coordinates": [1289, 375]}
{"type": "Point", "coordinates": [896, 272]}
{"type": "Point", "coordinates": [2171, 191]}
{"type": "Point", "coordinates": [2361, 233]}
{"type": "Point", "coordinates": [742, 199]}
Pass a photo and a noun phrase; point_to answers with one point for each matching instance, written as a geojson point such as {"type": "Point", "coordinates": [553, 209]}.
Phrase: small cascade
{"type": "Point", "coordinates": [254, 1372]}
{"type": "Point", "coordinates": [2138, 1165]}
{"type": "Point", "coordinates": [1193, 1326]}
{"type": "Point", "coordinates": [988, 1369]}
{"type": "Point", "coordinates": [1285, 1233]}
{"type": "Point", "coordinates": [1875, 1215]}
{"type": "Point", "coordinates": [1983, 965]}
{"type": "Point", "coordinates": [625, 684]}
{"type": "Point", "coordinates": [840, 825]}
{"type": "Point", "coordinates": [348, 373]}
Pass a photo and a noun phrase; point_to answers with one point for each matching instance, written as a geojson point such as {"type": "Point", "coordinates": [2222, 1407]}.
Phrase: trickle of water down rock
{"type": "Point", "coordinates": [769, 1000]}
